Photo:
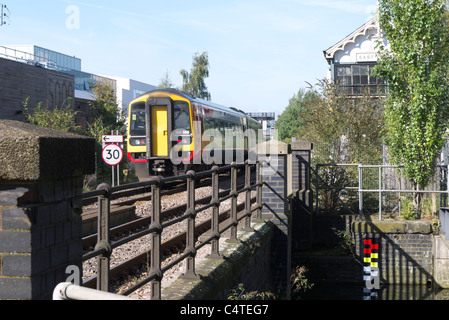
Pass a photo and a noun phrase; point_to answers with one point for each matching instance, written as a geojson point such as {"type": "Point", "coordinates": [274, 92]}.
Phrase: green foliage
{"type": "Point", "coordinates": [290, 123]}
{"type": "Point", "coordinates": [193, 82]}
{"type": "Point", "coordinates": [408, 212]}
{"type": "Point", "coordinates": [239, 293]}
{"type": "Point", "coordinates": [106, 117]}
{"type": "Point", "coordinates": [58, 118]}
{"type": "Point", "coordinates": [342, 129]}
{"type": "Point", "coordinates": [416, 68]}
{"type": "Point", "coordinates": [105, 111]}
{"type": "Point", "coordinates": [299, 281]}
{"type": "Point", "coordinates": [165, 82]}
{"type": "Point", "coordinates": [346, 244]}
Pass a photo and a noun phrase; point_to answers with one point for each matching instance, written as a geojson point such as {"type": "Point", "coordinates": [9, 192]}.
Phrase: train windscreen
{"type": "Point", "coordinates": [181, 116]}
{"type": "Point", "coordinates": [137, 123]}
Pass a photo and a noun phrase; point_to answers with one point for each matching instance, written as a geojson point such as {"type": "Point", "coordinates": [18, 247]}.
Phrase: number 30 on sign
{"type": "Point", "coordinates": [112, 154]}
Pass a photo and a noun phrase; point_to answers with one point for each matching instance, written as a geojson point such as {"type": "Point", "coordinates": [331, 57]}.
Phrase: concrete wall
{"type": "Point", "coordinates": [247, 262]}
{"type": "Point", "coordinates": [19, 81]}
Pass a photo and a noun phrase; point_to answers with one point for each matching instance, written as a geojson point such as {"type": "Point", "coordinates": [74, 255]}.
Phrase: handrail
{"type": "Point", "coordinates": [381, 187]}
{"type": "Point", "coordinates": [104, 248]}
{"type": "Point", "coordinates": [70, 291]}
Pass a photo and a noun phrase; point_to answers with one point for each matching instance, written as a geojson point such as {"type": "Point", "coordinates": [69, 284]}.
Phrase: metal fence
{"type": "Point", "coordinates": [379, 182]}
{"type": "Point", "coordinates": [383, 189]}
{"type": "Point", "coordinates": [104, 246]}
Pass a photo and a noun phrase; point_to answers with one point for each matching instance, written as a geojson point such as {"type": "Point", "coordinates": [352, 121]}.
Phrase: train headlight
{"type": "Point", "coordinates": [137, 142]}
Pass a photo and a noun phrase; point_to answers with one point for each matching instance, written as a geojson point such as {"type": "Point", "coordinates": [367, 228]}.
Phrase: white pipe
{"type": "Point", "coordinates": [70, 291]}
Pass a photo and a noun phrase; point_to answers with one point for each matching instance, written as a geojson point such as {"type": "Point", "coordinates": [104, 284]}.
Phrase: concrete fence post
{"type": "Point", "coordinates": [41, 181]}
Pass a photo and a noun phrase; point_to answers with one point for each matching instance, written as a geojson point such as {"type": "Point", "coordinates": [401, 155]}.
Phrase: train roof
{"type": "Point", "coordinates": [190, 97]}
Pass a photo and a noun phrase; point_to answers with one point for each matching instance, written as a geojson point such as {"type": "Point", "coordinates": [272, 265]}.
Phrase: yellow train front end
{"type": "Point", "coordinates": [160, 133]}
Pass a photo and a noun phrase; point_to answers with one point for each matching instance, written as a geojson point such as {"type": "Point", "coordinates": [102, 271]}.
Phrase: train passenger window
{"type": "Point", "coordinates": [137, 124]}
{"type": "Point", "coordinates": [209, 123]}
{"type": "Point", "coordinates": [181, 115]}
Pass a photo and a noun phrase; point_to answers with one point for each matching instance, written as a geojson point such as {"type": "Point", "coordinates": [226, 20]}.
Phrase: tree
{"type": "Point", "coordinates": [105, 105]}
{"type": "Point", "coordinates": [416, 69]}
{"type": "Point", "coordinates": [290, 122]}
{"type": "Point", "coordinates": [106, 117]}
{"type": "Point", "coordinates": [193, 82]}
{"type": "Point", "coordinates": [343, 129]}
{"type": "Point", "coordinates": [165, 82]}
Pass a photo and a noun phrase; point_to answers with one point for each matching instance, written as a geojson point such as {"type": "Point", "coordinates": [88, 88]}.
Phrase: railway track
{"type": "Point", "coordinates": [140, 223]}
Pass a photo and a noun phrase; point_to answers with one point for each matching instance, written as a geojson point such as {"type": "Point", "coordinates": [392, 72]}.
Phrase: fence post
{"type": "Point", "coordinates": [380, 193]}
{"type": "Point", "coordinates": [360, 191]}
{"type": "Point", "coordinates": [215, 214]}
{"type": "Point", "coordinates": [247, 226]}
{"type": "Point", "coordinates": [190, 236]}
{"type": "Point", "coordinates": [234, 220]}
{"type": "Point", "coordinates": [103, 260]}
{"type": "Point", "coordinates": [155, 259]}
{"type": "Point", "coordinates": [259, 184]}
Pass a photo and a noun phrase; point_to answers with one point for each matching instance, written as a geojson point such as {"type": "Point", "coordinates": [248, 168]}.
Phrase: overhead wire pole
{"type": "Point", "coordinates": [3, 14]}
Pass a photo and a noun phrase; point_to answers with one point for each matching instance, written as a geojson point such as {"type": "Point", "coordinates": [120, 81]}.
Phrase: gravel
{"type": "Point", "coordinates": [143, 244]}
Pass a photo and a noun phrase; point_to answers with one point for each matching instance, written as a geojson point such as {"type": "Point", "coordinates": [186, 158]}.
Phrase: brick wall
{"type": "Point", "coordinates": [302, 205]}
{"type": "Point", "coordinates": [405, 254]}
{"type": "Point", "coordinates": [19, 81]}
{"type": "Point", "coordinates": [275, 209]}
{"type": "Point", "coordinates": [40, 235]}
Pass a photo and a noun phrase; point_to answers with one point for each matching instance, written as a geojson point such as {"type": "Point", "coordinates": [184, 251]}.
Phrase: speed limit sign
{"type": "Point", "coordinates": [112, 154]}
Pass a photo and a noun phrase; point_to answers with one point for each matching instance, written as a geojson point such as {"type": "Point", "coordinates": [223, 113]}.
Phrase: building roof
{"type": "Point", "coordinates": [351, 38]}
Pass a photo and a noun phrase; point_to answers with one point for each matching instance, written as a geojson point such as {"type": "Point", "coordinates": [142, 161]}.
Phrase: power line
{"type": "Point", "coordinates": [4, 14]}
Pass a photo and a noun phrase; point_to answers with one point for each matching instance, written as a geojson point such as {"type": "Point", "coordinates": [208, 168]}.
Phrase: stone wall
{"type": "Point", "coordinates": [19, 81]}
{"type": "Point", "coordinates": [41, 180]}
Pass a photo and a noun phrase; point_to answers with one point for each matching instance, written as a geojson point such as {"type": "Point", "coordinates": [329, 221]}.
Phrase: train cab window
{"type": "Point", "coordinates": [137, 124]}
{"type": "Point", "coordinates": [181, 115]}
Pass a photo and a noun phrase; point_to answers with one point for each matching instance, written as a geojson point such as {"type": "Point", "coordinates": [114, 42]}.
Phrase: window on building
{"type": "Point", "coordinates": [137, 93]}
{"type": "Point", "coordinates": [357, 77]}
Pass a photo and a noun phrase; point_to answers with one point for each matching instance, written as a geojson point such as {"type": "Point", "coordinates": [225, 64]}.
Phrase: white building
{"type": "Point", "coordinates": [352, 59]}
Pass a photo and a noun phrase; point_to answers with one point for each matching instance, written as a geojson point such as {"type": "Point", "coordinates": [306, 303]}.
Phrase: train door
{"type": "Point", "coordinates": [158, 112]}
{"type": "Point", "coordinates": [159, 131]}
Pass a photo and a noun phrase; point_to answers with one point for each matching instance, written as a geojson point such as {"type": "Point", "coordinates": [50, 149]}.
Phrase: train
{"type": "Point", "coordinates": [171, 132]}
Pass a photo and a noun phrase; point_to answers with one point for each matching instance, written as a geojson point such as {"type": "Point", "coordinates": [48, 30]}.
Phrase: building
{"type": "Point", "coordinates": [21, 82]}
{"type": "Point", "coordinates": [351, 60]}
{"type": "Point", "coordinates": [128, 90]}
{"type": "Point", "coordinates": [35, 55]}
{"type": "Point", "coordinates": [49, 60]}
{"type": "Point", "coordinates": [267, 119]}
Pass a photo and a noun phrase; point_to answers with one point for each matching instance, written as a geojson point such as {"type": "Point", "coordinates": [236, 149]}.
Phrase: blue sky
{"type": "Point", "coordinates": [261, 52]}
